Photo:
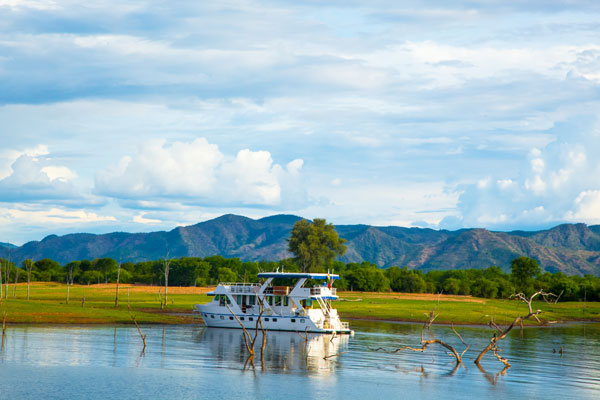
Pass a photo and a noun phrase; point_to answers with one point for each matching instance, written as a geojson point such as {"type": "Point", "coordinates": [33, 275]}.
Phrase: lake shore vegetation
{"type": "Point", "coordinates": [94, 304]}
{"type": "Point", "coordinates": [85, 291]}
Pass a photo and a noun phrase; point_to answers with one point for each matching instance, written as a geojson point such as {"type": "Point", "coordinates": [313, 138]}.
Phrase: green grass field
{"type": "Point", "coordinates": [47, 305]}
{"type": "Point", "coordinates": [464, 310]}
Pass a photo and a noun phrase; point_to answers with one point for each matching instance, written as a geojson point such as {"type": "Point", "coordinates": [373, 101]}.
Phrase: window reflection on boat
{"type": "Point", "coordinates": [285, 351]}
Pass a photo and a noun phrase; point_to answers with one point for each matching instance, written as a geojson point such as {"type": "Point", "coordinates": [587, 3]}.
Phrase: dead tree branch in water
{"type": "Point", "coordinates": [500, 334]}
{"type": "Point", "coordinates": [139, 330]}
{"type": "Point", "coordinates": [249, 341]}
{"type": "Point", "coordinates": [493, 379]}
{"type": "Point", "coordinates": [334, 355]}
{"type": "Point", "coordinates": [426, 342]}
{"type": "Point", "coordinates": [3, 326]}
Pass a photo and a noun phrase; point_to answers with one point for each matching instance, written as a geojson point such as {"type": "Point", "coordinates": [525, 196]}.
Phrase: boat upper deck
{"type": "Point", "coordinates": [296, 290]}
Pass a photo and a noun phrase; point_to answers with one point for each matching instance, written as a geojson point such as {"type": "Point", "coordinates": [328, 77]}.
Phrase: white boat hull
{"type": "Point", "coordinates": [269, 322]}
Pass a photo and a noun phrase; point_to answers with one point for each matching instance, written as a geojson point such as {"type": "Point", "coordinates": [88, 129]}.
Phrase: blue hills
{"type": "Point", "coordinates": [571, 248]}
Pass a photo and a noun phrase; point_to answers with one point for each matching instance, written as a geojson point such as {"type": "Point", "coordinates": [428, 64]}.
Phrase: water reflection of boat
{"type": "Point", "coordinates": [285, 351]}
{"type": "Point", "coordinates": [284, 306]}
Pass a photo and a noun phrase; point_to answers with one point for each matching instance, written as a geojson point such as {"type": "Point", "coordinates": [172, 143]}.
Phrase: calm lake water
{"type": "Point", "coordinates": [185, 362]}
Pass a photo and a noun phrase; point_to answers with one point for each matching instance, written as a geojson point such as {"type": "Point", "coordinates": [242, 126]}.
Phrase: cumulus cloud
{"type": "Point", "coordinates": [198, 173]}
{"type": "Point", "coordinates": [559, 183]}
{"type": "Point", "coordinates": [32, 180]}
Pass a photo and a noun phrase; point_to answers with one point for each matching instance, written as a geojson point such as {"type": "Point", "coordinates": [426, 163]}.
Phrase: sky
{"type": "Point", "coordinates": [141, 116]}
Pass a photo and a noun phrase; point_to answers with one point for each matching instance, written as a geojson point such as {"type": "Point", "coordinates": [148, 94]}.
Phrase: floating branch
{"type": "Point", "coordinates": [500, 334]}
{"type": "Point", "coordinates": [334, 355]}
{"type": "Point", "coordinates": [431, 316]}
{"type": "Point", "coordinates": [139, 330]}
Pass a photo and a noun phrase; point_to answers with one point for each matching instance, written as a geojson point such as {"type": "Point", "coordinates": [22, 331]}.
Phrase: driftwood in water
{"type": "Point", "coordinates": [3, 326]}
{"type": "Point", "coordinates": [500, 334]}
{"type": "Point", "coordinates": [431, 316]}
{"type": "Point", "coordinates": [248, 339]}
{"type": "Point", "coordinates": [139, 330]}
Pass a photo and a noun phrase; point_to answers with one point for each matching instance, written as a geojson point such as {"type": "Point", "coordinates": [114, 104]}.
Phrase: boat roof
{"type": "Point", "coordinates": [297, 275]}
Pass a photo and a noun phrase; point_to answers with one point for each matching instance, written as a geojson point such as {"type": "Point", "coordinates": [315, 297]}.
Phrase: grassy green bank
{"type": "Point", "coordinates": [464, 310]}
{"type": "Point", "coordinates": [47, 305]}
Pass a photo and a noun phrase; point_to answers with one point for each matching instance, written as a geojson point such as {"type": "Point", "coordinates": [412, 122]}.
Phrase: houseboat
{"type": "Point", "coordinates": [287, 304]}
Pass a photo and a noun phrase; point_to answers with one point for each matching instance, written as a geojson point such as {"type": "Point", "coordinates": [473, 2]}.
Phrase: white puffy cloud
{"type": "Point", "coordinates": [31, 180]}
{"type": "Point", "coordinates": [559, 183]}
{"type": "Point", "coordinates": [198, 173]}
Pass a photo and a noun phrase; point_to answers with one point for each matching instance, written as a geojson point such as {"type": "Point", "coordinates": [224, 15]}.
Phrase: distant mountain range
{"type": "Point", "coordinates": [570, 248]}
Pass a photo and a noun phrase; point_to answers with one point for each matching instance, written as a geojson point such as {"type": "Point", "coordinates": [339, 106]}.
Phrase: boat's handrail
{"type": "Point", "coordinates": [319, 291]}
{"type": "Point", "coordinates": [242, 287]}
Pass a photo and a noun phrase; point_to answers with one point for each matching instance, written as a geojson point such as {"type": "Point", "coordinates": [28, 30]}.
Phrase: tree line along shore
{"type": "Point", "coordinates": [525, 276]}
{"type": "Point", "coordinates": [86, 292]}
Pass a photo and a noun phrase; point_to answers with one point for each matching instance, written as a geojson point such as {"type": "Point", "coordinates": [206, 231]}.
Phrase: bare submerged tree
{"type": "Point", "coordinates": [3, 326]}
{"type": "Point", "coordinates": [500, 334]}
{"type": "Point", "coordinates": [139, 331]}
{"type": "Point", "coordinates": [248, 339]}
{"type": "Point", "coordinates": [426, 342]}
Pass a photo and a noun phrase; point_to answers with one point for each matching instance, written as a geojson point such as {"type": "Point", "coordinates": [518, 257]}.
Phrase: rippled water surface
{"type": "Point", "coordinates": [196, 362]}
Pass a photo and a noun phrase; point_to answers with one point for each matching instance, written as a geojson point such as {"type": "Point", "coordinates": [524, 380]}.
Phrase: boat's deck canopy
{"type": "Point", "coordinates": [298, 275]}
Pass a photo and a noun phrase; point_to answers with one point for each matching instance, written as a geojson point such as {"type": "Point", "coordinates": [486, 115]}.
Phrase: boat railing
{"type": "Point", "coordinates": [322, 291]}
{"type": "Point", "coordinates": [242, 287]}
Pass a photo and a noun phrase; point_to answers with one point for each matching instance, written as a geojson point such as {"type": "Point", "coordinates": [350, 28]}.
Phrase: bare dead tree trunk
{"type": "Point", "coordinates": [3, 326]}
{"type": "Point", "coordinates": [519, 320]}
{"type": "Point", "coordinates": [249, 341]}
{"type": "Point", "coordinates": [15, 286]}
{"type": "Point", "coordinates": [118, 277]}
{"type": "Point", "coordinates": [431, 316]}
{"type": "Point", "coordinates": [28, 267]}
{"type": "Point", "coordinates": [0, 281]}
{"type": "Point", "coordinates": [139, 330]}
{"type": "Point", "coordinates": [69, 281]}
{"type": "Point", "coordinates": [167, 266]}
{"type": "Point", "coordinates": [7, 274]}
{"type": "Point", "coordinates": [83, 299]}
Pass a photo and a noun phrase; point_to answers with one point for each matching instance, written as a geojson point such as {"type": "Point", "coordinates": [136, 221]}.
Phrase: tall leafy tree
{"type": "Point", "coordinates": [524, 269]}
{"type": "Point", "coordinates": [315, 245]}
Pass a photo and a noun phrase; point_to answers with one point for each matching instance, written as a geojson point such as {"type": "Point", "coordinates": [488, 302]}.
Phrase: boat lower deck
{"type": "Point", "coordinates": [271, 322]}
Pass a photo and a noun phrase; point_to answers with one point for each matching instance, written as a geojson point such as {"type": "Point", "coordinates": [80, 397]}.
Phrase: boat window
{"type": "Point", "coordinates": [250, 319]}
{"type": "Point", "coordinates": [212, 316]}
{"type": "Point", "coordinates": [302, 320]}
{"type": "Point", "coordinates": [239, 299]}
{"type": "Point", "coordinates": [274, 319]}
{"type": "Point", "coordinates": [270, 300]}
{"type": "Point", "coordinates": [293, 320]}
{"type": "Point", "coordinates": [241, 318]}
{"type": "Point", "coordinates": [222, 317]}
{"type": "Point", "coordinates": [277, 300]}
{"type": "Point", "coordinates": [267, 319]}
{"type": "Point", "coordinates": [286, 301]}
{"type": "Point", "coordinates": [251, 300]}
{"type": "Point", "coordinates": [231, 318]}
